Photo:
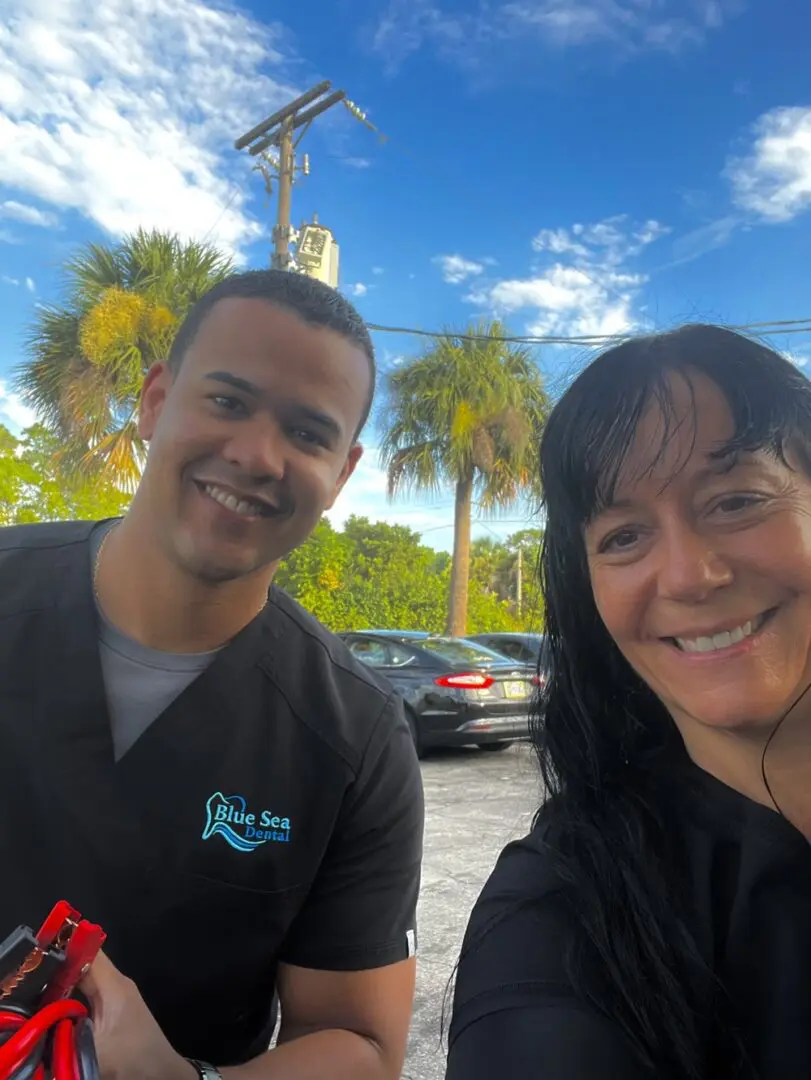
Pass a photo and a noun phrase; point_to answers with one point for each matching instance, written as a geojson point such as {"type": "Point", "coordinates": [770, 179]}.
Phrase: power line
{"type": "Point", "coordinates": [237, 188]}
{"type": "Point", "coordinates": [781, 326]}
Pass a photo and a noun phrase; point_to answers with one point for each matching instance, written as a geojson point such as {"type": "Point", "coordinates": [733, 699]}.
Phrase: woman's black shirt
{"type": "Point", "coordinates": [746, 883]}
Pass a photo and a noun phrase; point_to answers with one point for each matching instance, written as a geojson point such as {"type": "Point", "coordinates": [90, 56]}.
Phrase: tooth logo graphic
{"type": "Point", "coordinates": [228, 816]}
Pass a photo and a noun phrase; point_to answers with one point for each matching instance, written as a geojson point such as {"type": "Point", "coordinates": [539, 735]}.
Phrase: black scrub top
{"type": "Point", "coordinates": [746, 879]}
{"type": "Point", "coordinates": [272, 813]}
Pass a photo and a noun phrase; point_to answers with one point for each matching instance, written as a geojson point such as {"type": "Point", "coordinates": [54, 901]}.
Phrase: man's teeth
{"type": "Point", "coordinates": [231, 502]}
{"type": "Point", "coordinates": [719, 641]}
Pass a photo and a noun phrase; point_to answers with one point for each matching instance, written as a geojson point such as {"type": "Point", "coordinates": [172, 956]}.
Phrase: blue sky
{"type": "Point", "coordinates": [572, 166]}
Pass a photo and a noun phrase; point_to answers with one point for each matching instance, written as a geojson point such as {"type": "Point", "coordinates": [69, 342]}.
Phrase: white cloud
{"type": "Point", "coordinates": [488, 29]}
{"type": "Point", "coordinates": [377, 270]}
{"type": "Point", "coordinates": [569, 302]}
{"type": "Point", "coordinates": [773, 178]}
{"type": "Point", "coordinates": [357, 162]}
{"type": "Point", "coordinates": [9, 280]}
{"type": "Point", "coordinates": [27, 215]}
{"type": "Point", "coordinates": [358, 289]}
{"type": "Point", "coordinates": [705, 238]}
{"type": "Point", "coordinates": [365, 495]}
{"type": "Point", "coordinates": [588, 289]}
{"type": "Point", "coordinates": [455, 268]}
{"type": "Point", "coordinates": [127, 112]}
{"type": "Point", "coordinates": [30, 285]}
{"type": "Point", "coordinates": [609, 242]}
{"type": "Point", "coordinates": [389, 359]}
{"type": "Point", "coordinates": [13, 413]}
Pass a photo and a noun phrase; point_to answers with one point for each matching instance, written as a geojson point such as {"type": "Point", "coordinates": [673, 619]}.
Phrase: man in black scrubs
{"type": "Point", "coordinates": [186, 755]}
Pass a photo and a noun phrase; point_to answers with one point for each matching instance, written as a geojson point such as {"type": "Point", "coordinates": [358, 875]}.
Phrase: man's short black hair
{"type": "Point", "coordinates": [314, 302]}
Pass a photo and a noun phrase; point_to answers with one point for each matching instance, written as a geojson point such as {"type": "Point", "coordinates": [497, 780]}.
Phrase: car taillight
{"type": "Point", "coordinates": [539, 680]}
{"type": "Point", "coordinates": [469, 680]}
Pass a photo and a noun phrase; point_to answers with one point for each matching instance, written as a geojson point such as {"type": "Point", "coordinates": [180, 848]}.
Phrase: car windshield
{"type": "Point", "coordinates": [457, 651]}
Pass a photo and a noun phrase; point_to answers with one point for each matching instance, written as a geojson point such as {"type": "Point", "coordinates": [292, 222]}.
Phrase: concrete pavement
{"type": "Point", "coordinates": [476, 802]}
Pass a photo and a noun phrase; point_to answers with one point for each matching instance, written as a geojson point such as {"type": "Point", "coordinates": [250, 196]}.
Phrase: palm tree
{"type": "Point", "coordinates": [87, 357]}
{"type": "Point", "coordinates": [467, 413]}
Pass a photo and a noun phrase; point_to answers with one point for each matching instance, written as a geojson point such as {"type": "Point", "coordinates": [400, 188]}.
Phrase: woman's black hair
{"type": "Point", "coordinates": [609, 752]}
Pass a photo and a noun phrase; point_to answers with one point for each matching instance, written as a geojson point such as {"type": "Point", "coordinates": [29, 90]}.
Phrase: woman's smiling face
{"type": "Point", "coordinates": [701, 567]}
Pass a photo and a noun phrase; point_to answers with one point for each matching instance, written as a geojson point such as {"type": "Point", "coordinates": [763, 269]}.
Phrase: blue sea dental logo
{"type": "Point", "coordinates": [228, 816]}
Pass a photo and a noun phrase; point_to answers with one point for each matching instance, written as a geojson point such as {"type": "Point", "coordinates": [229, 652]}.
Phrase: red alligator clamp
{"type": "Point", "coordinates": [43, 1034]}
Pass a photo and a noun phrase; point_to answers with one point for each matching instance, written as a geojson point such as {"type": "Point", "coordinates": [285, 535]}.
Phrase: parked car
{"type": "Point", "coordinates": [456, 692]}
{"type": "Point", "coordinates": [526, 648]}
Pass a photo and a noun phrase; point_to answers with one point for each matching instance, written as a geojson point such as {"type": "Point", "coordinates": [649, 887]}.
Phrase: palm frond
{"type": "Point", "coordinates": [86, 357]}
{"type": "Point", "coordinates": [414, 467]}
{"type": "Point", "coordinates": [479, 404]}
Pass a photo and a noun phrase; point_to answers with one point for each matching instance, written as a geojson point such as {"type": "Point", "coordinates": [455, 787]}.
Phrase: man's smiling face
{"type": "Point", "coordinates": [252, 439]}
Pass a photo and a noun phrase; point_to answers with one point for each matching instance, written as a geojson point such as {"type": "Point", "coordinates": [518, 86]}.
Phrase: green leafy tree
{"type": "Point", "coordinates": [526, 543]}
{"type": "Point", "coordinates": [394, 579]}
{"type": "Point", "coordinates": [87, 356]}
{"type": "Point", "coordinates": [317, 573]}
{"type": "Point", "coordinates": [379, 576]}
{"type": "Point", "coordinates": [32, 488]}
{"type": "Point", "coordinates": [507, 571]}
{"type": "Point", "coordinates": [468, 414]}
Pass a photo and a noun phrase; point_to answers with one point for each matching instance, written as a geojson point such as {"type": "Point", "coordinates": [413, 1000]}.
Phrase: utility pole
{"type": "Point", "coordinates": [519, 585]}
{"type": "Point", "coordinates": [287, 165]}
{"type": "Point", "coordinates": [278, 131]}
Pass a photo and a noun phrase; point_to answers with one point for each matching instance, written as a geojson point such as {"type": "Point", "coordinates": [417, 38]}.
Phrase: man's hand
{"type": "Point", "coordinates": [129, 1043]}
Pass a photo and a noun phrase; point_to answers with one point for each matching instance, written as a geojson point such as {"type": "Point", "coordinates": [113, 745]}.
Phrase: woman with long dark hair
{"type": "Point", "coordinates": [656, 922]}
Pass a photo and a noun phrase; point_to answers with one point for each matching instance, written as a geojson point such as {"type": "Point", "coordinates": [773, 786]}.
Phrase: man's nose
{"type": "Point", "coordinates": [692, 566]}
{"type": "Point", "coordinates": [259, 450]}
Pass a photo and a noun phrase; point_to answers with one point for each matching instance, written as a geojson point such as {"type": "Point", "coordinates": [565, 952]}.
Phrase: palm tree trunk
{"type": "Point", "coordinates": [460, 569]}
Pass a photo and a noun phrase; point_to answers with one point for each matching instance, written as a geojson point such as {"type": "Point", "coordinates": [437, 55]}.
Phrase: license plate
{"type": "Point", "coordinates": [516, 689]}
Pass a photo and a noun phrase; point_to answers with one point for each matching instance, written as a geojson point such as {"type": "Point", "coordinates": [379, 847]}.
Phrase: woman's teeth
{"type": "Point", "coordinates": [722, 640]}
{"type": "Point", "coordinates": [245, 507]}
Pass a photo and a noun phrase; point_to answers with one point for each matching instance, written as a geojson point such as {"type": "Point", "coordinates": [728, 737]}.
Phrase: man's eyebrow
{"type": "Point", "coordinates": [303, 412]}
{"type": "Point", "coordinates": [315, 416]}
{"type": "Point", "coordinates": [235, 381]}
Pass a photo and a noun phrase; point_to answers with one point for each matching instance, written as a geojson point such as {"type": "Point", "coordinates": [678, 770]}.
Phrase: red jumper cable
{"type": "Point", "coordinates": [44, 1033]}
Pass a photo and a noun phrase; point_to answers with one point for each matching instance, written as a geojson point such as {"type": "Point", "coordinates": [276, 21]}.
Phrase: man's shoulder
{"type": "Point", "coordinates": [322, 681]}
{"type": "Point", "coordinates": [34, 562]}
{"type": "Point", "coordinates": [316, 645]}
{"type": "Point", "coordinates": [44, 536]}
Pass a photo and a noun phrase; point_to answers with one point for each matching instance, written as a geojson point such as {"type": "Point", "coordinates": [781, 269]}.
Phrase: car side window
{"type": "Point", "coordinates": [370, 651]}
{"type": "Point", "coordinates": [400, 657]}
{"type": "Point", "coordinates": [514, 649]}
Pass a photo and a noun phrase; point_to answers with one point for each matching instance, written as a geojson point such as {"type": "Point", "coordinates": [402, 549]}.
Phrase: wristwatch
{"type": "Point", "coordinates": [204, 1070]}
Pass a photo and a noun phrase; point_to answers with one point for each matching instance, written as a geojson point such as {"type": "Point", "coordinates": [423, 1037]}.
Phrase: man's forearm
{"type": "Point", "coordinates": [324, 1055]}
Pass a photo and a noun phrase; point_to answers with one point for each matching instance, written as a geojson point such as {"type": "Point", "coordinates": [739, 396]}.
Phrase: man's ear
{"type": "Point", "coordinates": [156, 386]}
{"type": "Point", "coordinates": [354, 456]}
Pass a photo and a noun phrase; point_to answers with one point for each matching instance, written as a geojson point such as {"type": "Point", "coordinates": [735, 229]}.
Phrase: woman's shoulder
{"type": "Point", "coordinates": [522, 924]}
{"type": "Point", "coordinates": [526, 868]}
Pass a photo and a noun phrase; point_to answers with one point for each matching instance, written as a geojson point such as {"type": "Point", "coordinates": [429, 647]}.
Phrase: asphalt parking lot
{"type": "Point", "coordinates": [476, 802]}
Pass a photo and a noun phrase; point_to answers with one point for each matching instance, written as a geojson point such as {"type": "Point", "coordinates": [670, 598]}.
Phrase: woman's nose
{"type": "Point", "coordinates": [692, 567]}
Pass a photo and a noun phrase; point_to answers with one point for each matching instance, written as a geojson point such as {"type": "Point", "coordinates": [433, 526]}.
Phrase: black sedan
{"type": "Point", "coordinates": [528, 648]}
{"type": "Point", "coordinates": [455, 691]}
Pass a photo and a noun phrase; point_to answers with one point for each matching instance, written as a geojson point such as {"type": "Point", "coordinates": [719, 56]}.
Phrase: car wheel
{"type": "Point", "coordinates": [494, 746]}
{"type": "Point", "coordinates": [415, 735]}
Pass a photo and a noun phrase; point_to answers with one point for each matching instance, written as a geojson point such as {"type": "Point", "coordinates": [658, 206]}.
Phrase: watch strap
{"type": "Point", "coordinates": [204, 1070]}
